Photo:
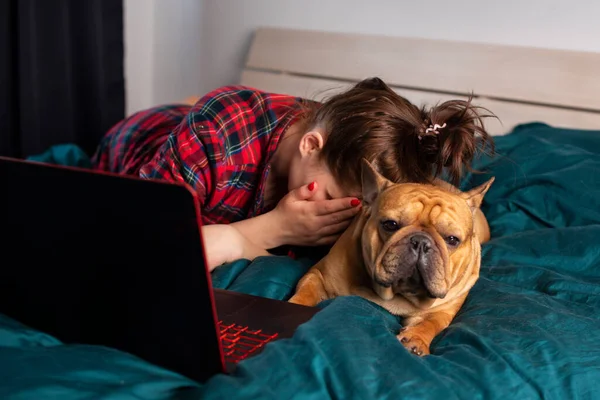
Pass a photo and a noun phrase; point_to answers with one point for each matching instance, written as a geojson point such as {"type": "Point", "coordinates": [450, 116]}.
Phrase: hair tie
{"type": "Point", "coordinates": [433, 128]}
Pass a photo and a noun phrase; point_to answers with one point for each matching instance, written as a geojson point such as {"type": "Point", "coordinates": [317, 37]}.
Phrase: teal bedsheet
{"type": "Point", "coordinates": [529, 329]}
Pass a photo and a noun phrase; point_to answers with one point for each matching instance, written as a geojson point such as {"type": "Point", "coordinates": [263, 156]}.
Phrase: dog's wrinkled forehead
{"type": "Point", "coordinates": [428, 204]}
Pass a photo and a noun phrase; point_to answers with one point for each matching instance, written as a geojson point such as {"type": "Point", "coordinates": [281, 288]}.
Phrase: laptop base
{"type": "Point", "coordinates": [274, 319]}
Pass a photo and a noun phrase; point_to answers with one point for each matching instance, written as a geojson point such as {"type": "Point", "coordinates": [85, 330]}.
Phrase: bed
{"type": "Point", "coordinates": [529, 329]}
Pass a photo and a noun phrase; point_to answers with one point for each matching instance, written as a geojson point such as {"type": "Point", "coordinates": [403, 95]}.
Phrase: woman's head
{"type": "Point", "coordinates": [404, 142]}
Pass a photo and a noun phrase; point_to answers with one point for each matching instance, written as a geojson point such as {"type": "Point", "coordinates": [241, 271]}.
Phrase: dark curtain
{"type": "Point", "coordinates": [61, 73]}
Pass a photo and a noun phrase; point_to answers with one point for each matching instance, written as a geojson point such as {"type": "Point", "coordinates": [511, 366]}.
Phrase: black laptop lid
{"type": "Point", "coordinates": [102, 259]}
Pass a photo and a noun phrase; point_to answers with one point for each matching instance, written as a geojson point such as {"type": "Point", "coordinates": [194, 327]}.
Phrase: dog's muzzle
{"type": "Point", "coordinates": [404, 265]}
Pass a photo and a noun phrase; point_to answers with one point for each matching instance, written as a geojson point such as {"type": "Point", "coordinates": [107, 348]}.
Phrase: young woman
{"type": "Point", "coordinates": [271, 170]}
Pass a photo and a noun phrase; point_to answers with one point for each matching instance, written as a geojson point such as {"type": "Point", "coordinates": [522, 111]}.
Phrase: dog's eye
{"type": "Point", "coordinates": [452, 241]}
{"type": "Point", "coordinates": [389, 225]}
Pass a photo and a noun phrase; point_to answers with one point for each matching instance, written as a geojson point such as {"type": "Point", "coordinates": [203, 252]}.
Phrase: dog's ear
{"type": "Point", "coordinates": [372, 182]}
{"type": "Point", "coordinates": [474, 197]}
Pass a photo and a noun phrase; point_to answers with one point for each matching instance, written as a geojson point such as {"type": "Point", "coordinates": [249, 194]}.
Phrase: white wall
{"type": "Point", "coordinates": [201, 44]}
{"type": "Point", "coordinates": [162, 51]}
{"type": "Point", "coordinates": [139, 53]}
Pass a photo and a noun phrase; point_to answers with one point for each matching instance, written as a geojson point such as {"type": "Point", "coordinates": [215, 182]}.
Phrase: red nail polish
{"type": "Point", "coordinates": [311, 186]}
{"type": "Point", "coordinates": [355, 202]}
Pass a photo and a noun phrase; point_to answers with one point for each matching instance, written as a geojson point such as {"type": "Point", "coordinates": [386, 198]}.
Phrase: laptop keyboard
{"type": "Point", "coordinates": [239, 342]}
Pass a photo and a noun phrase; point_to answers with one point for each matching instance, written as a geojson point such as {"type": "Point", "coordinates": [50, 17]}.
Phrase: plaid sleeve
{"type": "Point", "coordinates": [183, 158]}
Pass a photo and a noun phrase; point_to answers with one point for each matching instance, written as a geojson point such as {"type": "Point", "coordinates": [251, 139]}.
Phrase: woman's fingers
{"type": "Point", "coordinates": [340, 216]}
{"type": "Point", "coordinates": [325, 207]}
{"type": "Point", "coordinates": [334, 229]}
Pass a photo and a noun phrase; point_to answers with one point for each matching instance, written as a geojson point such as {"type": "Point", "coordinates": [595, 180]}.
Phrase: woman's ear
{"type": "Point", "coordinates": [311, 142]}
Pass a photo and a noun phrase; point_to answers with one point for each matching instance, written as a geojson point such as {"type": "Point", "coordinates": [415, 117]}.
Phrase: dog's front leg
{"type": "Point", "coordinates": [419, 331]}
{"type": "Point", "coordinates": [310, 290]}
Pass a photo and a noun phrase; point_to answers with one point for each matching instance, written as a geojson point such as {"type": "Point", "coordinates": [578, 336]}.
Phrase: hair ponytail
{"type": "Point", "coordinates": [451, 134]}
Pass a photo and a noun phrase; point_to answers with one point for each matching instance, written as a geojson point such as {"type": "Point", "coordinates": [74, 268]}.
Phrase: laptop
{"type": "Point", "coordinates": [105, 259]}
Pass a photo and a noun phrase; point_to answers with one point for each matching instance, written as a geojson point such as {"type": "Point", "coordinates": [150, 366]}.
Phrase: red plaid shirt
{"type": "Point", "coordinates": [221, 147]}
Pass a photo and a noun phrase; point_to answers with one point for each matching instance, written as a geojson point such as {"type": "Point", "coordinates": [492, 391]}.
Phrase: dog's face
{"type": "Point", "coordinates": [418, 239]}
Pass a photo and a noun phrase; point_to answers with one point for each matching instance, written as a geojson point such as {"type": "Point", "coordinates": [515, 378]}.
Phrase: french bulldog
{"type": "Point", "coordinates": [414, 249]}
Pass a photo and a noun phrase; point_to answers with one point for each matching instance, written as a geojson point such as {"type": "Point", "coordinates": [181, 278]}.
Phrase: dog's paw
{"type": "Point", "coordinates": [413, 342]}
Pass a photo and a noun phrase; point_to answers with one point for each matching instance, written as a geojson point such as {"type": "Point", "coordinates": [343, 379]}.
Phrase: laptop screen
{"type": "Point", "coordinates": [102, 259]}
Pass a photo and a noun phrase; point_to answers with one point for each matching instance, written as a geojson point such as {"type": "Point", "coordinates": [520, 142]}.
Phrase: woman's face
{"type": "Point", "coordinates": [307, 166]}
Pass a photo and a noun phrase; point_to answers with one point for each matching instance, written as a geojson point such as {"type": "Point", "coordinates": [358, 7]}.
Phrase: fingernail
{"type": "Point", "coordinates": [355, 203]}
{"type": "Point", "coordinates": [311, 186]}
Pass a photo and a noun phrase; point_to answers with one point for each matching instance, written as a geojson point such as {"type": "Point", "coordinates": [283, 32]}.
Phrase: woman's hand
{"type": "Point", "coordinates": [298, 221]}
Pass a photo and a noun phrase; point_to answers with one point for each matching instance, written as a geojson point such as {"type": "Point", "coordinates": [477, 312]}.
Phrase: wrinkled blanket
{"type": "Point", "coordinates": [529, 329]}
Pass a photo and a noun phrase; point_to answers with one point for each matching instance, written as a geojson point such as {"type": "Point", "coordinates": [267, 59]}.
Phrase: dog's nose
{"type": "Point", "coordinates": [421, 243]}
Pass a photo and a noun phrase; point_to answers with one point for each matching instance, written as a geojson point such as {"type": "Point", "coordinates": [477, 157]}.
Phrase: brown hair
{"type": "Point", "coordinates": [371, 121]}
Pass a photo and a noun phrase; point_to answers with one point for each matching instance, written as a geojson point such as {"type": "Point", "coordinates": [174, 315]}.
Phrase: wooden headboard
{"type": "Point", "coordinates": [518, 84]}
